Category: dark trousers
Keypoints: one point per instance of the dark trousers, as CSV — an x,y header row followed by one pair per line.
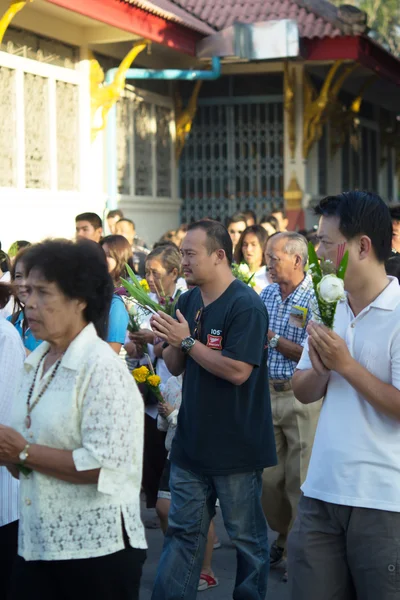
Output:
x,y
8,554
154,457
111,577
343,553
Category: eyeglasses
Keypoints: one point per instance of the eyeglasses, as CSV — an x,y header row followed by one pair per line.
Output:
x,y
197,324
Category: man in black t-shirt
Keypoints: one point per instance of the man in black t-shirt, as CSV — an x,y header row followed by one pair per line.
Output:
x,y
224,438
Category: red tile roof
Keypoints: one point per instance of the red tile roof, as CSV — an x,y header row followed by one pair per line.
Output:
x,y
315,18
172,12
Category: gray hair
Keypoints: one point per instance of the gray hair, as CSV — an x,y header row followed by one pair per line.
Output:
x,y
295,244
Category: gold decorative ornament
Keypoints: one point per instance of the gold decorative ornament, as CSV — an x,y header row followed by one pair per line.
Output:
x,y
317,104
104,96
15,7
293,195
184,118
290,106
346,121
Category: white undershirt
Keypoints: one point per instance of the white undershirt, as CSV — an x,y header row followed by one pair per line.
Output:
x,y
12,356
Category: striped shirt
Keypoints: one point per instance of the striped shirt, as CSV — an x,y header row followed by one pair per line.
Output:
x,y
288,318
12,356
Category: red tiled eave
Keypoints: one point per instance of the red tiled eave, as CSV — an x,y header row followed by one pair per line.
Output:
x,y
219,14
171,12
361,49
137,21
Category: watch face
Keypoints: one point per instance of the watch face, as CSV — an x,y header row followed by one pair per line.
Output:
x,y
274,342
187,344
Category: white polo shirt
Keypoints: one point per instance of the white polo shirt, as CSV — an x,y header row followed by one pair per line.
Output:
x,y
356,455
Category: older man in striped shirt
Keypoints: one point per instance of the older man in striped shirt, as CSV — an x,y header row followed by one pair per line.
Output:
x,y
288,301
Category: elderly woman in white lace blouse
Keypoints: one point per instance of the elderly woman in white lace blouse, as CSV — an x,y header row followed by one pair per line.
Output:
x,y
76,438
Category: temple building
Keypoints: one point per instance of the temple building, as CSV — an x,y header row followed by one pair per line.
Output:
x,y
173,110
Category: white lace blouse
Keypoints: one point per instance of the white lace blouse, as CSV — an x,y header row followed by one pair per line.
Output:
x,y
93,408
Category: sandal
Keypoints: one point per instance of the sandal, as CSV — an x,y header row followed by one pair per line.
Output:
x,y
207,582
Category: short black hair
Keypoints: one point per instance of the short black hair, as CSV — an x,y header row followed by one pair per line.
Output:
x,y
91,218
395,212
361,213
392,266
5,264
271,220
115,213
80,271
250,213
218,237
127,221
279,209
237,217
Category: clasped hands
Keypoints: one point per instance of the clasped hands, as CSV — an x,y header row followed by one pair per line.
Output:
x,y
327,350
170,330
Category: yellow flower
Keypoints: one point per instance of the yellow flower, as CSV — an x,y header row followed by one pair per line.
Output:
x,y
154,380
141,374
145,285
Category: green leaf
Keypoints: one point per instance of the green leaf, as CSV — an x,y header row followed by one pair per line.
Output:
x,y
133,277
343,266
24,470
141,297
313,260
174,303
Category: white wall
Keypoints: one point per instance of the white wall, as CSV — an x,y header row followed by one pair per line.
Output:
x,y
34,214
152,218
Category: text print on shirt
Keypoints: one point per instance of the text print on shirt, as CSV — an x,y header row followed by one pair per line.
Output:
x,y
214,339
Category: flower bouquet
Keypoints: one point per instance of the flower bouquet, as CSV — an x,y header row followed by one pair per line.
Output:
x,y
135,321
242,272
139,294
328,282
150,379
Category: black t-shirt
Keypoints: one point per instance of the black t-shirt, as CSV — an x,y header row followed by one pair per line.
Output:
x,y
223,428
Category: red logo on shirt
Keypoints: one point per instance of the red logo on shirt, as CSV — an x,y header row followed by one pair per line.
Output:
x,y
214,341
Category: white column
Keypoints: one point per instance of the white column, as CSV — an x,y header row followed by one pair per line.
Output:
x,y
92,162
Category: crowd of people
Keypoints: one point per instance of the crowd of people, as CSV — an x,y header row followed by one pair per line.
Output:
x,y
265,412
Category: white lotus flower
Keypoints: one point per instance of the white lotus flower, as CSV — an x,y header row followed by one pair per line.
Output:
x,y
331,289
243,269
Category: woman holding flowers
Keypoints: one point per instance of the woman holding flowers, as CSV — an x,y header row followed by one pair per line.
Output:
x,y
251,251
163,268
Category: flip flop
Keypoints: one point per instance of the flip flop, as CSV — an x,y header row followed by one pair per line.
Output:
x,y
207,582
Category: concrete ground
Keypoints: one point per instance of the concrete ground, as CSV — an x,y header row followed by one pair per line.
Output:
x,y
224,565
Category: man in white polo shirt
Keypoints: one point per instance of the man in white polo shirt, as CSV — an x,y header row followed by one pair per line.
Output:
x,y
345,543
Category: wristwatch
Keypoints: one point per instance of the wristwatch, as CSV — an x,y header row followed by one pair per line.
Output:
x,y
24,454
273,342
187,344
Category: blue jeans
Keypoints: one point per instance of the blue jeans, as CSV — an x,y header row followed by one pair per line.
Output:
x,y
192,508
